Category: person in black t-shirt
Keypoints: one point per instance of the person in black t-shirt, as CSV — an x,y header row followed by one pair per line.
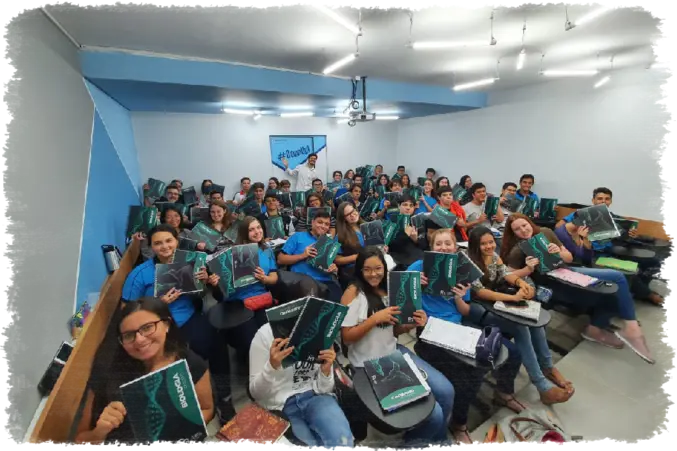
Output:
x,y
142,338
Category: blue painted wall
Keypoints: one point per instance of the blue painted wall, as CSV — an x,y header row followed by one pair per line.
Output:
x,y
109,195
118,123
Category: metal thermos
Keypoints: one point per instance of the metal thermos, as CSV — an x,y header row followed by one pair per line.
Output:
x,y
112,256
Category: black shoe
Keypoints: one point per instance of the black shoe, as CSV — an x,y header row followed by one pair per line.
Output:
x,y
225,411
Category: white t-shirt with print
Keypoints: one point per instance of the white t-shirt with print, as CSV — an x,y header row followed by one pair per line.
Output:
x,y
378,342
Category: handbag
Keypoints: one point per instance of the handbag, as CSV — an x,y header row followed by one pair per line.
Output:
x,y
532,425
488,346
258,302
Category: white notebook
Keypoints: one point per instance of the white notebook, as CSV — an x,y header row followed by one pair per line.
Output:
x,y
532,312
454,337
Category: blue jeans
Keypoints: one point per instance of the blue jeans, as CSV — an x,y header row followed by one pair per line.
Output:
x,y
530,342
434,428
625,304
317,420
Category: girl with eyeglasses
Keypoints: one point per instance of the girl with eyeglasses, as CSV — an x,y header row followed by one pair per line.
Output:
x,y
142,338
193,325
370,330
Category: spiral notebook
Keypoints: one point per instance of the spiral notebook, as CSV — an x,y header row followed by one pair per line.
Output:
x,y
454,337
175,275
572,277
531,312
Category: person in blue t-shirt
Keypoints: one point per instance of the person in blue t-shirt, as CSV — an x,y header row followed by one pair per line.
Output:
x,y
526,183
466,379
250,231
427,201
194,326
300,247
640,284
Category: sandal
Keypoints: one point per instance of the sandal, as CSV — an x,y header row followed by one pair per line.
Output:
x,y
461,435
511,403
554,376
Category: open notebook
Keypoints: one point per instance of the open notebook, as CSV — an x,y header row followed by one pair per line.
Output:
x,y
454,337
531,312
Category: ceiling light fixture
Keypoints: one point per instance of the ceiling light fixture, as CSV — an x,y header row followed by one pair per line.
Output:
x,y
339,19
523,54
343,121
242,112
569,73
257,116
474,84
386,118
601,82
298,114
436,45
568,25
340,63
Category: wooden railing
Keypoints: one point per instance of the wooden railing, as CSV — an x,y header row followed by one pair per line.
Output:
x,y
60,411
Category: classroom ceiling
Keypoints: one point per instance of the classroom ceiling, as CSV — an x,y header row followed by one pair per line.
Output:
x,y
301,38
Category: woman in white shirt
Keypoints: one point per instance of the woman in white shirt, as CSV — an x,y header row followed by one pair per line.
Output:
x,y
370,331
302,391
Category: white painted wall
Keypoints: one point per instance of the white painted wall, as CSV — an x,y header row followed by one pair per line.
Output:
x,y
194,147
572,137
45,129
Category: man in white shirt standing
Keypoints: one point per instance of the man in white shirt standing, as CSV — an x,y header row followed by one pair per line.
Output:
x,y
305,174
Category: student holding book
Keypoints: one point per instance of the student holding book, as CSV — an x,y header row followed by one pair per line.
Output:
x,y
350,174
378,170
404,247
300,247
194,326
259,191
348,233
370,330
215,196
531,341
272,210
427,201
221,219
245,185
355,195
526,183
474,209
465,183
466,380
445,198
508,190
383,180
205,188
303,392
142,338
251,232
313,200
395,187
640,286
519,227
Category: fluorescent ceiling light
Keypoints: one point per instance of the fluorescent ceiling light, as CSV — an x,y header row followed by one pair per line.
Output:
x,y
338,19
298,114
474,84
386,118
569,73
592,16
343,121
520,59
340,63
243,112
297,107
257,116
433,45
601,82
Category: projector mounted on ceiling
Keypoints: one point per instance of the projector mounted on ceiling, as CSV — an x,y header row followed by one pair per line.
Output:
x,y
356,115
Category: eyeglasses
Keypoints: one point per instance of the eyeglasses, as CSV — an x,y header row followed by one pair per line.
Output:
x,y
354,212
145,330
373,271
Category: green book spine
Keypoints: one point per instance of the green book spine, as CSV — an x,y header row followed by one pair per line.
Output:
x,y
389,231
403,221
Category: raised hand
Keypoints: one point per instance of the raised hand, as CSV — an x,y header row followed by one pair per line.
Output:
x,y
278,352
111,418
387,315
171,296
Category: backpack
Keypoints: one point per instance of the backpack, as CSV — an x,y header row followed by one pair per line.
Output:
x,y
530,425
488,346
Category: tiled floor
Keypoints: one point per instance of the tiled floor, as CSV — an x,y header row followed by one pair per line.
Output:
x,y
618,395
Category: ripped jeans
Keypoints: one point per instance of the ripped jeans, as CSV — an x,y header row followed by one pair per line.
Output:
x,y
317,420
